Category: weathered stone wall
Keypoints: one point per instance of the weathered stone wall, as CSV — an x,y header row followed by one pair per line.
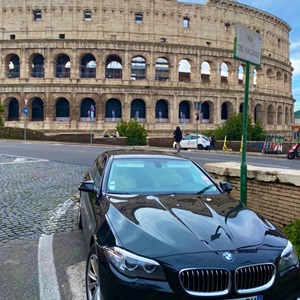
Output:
x,y
275,193
64,29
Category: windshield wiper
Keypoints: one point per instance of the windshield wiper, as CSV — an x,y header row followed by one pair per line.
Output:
x,y
206,189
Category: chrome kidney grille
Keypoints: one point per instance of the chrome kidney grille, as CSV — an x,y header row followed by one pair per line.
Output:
x,y
204,282
254,278
216,282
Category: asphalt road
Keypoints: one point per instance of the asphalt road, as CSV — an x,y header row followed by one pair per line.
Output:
x,y
41,249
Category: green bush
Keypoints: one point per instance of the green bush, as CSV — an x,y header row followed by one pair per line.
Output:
x,y
233,129
292,231
135,133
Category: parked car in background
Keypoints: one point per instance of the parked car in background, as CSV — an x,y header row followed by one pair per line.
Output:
x,y
190,141
157,226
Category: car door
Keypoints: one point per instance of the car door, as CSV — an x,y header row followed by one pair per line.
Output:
x,y
90,201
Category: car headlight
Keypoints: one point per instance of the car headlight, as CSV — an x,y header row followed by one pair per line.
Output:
x,y
288,257
132,265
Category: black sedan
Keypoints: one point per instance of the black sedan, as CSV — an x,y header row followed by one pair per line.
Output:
x,y
158,227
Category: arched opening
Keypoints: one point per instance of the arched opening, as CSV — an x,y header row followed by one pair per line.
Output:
x,y
113,110
161,111
14,67
184,71
63,66
85,109
258,114
270,115
113,67
205,112
224,73
138,110
184,112
62,110
138,68
205,72
37,110
38,66
162,69
88,66
13,110
279,115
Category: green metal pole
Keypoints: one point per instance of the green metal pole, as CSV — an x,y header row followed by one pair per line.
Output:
x,y
243,181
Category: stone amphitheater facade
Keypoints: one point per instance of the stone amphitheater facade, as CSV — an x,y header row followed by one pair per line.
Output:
x,y
69,65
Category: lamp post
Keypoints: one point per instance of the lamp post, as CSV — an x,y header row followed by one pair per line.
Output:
x,y
25,116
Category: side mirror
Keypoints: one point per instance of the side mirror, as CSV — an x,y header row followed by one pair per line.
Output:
x,y
87,186
225,186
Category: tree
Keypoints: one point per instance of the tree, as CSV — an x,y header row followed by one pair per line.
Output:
x,y
135,133
233,129
2,110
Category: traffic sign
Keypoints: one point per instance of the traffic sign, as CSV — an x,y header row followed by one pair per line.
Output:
x,y
92,108
25,110
247,44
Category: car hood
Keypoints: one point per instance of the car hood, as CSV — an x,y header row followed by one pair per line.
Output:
x,y
163,225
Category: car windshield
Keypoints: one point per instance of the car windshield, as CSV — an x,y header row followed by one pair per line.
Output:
x,y
158,176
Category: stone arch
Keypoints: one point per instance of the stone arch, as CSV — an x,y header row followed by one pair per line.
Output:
x,y
226,111
270,115
13,110
62,66
184,111
258,113
138,68
269,78
224,73
207,109
138,110
37,109
12,66
62,109
286,116
162,111
85,108
279,115
162,69
113,67
113,110
37,66
88,66
205,70
241,74
184,70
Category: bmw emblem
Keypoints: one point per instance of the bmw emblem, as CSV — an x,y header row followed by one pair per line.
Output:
x,y
228,256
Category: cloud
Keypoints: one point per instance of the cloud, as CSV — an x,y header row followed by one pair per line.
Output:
x,y
296,66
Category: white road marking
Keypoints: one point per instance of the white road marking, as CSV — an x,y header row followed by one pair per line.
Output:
x,y
47,274
49,289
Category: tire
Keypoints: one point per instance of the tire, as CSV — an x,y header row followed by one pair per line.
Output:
x,y
79,217
92,276
291,155
200,147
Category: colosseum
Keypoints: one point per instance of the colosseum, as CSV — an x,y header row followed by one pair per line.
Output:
x,y
68,65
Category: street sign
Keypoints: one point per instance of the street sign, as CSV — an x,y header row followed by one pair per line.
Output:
x,y
25,110
247,44
25,101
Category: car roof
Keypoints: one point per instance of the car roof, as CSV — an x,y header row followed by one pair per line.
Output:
x,y
136,152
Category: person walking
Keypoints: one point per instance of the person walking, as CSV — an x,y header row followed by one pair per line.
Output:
x,y
177,138
212,142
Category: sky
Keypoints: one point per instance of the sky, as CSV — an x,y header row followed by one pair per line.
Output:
x,y
288,11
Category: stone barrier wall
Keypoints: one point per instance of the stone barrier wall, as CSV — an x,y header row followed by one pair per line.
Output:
x,y
275,193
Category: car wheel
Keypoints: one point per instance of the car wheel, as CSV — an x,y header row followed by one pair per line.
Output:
x,y
92,276
200,147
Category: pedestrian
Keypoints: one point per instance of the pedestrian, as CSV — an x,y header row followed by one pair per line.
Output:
x,y
177,134
212,142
